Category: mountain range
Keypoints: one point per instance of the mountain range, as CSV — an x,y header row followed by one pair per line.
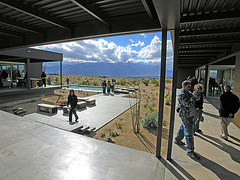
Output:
x,y
110,69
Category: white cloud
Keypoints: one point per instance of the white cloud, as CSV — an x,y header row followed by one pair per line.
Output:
x,y
144,35
131,40
139,43
102,50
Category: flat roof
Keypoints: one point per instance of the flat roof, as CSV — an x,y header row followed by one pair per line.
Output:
x,y
35,55
208,30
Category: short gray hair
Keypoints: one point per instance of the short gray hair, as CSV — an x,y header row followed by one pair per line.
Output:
x,y
228,87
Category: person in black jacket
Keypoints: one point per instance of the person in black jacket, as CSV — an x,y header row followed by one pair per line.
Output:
x,y
199,106
43,76
228,107
72,100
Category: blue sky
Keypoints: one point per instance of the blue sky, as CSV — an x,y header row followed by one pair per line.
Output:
x,y
136,48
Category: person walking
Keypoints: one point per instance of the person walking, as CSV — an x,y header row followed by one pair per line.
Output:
x,y
228,107
72,100
198,89
187,112
108,86
67,81
56,80
113,84
43,76
104,85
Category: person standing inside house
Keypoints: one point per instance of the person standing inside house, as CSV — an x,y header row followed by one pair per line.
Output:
x,y
43,76
187,112
108,86
198,89
72,100
104,85
228,107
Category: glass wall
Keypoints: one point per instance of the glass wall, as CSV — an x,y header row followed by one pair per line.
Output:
x,y
14,71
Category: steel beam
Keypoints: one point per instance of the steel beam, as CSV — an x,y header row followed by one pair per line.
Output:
x,y
91,10
19,6
11,33
19,25
161,92
28,73
209,41
210,32
210,17
148,7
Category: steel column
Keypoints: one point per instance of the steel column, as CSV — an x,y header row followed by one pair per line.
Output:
x,y
174,89
161,92
206,83
61,72
28,73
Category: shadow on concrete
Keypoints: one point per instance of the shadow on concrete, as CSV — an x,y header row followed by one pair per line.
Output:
x,y
233,152
215,102
236,139
210,114
180,168
171,169
217,169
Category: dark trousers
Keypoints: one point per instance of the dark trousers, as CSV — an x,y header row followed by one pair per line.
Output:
x,y
108,90
104,89
44,82
72,111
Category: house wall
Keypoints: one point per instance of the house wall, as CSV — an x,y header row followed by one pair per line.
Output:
x,y
236,89
36,70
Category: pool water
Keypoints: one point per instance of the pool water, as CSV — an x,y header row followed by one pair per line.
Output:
x,y
86,88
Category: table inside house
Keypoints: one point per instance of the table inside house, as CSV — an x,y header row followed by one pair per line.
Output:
x,y
36,82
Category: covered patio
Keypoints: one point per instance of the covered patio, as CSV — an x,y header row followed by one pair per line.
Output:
x,y
203,32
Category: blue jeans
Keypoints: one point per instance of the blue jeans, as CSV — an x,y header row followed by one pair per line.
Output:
x,y
197,119
186,129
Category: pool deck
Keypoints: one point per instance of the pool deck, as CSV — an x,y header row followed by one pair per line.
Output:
x,y
108,107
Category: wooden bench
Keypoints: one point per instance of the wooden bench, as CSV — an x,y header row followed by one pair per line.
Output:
x,y
81,105
91,102
47,108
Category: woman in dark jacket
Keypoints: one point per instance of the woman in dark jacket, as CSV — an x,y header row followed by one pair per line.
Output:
x,y
199,106
72,100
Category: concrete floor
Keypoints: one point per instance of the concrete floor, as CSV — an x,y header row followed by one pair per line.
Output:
x,y
107,108
220,159
31,150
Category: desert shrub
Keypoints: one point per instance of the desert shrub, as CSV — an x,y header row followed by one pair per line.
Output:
x,y
146,82
145,105
122,82
150,120
144,90
153,104
112,134
168,81
87,82
134,81
95,83
102,135
168,100
151,109
155,82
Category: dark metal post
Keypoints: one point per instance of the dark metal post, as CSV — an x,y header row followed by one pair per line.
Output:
x,y
174,89
206,80
161,92
61,72
28,73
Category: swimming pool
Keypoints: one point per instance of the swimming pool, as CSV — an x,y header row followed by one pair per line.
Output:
x,y
86,88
